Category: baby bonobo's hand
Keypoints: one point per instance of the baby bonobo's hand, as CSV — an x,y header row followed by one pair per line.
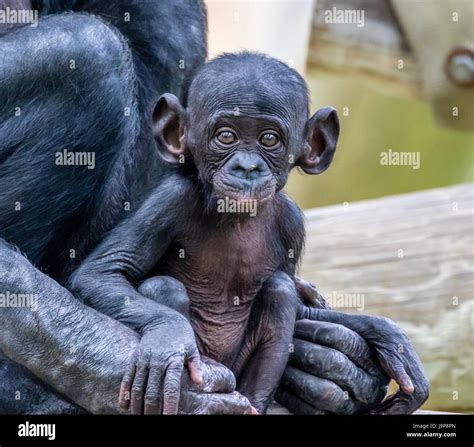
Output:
x,y
152,381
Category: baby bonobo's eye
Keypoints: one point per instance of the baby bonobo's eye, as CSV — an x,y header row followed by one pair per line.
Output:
x,y
226,136
269,139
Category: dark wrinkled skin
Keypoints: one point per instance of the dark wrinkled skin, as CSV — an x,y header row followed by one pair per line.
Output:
x,y
392,349
69,357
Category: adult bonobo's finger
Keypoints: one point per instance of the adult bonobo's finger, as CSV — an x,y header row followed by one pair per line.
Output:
x,y
216,378
399,403
154,391
172,386
309,294
400,361
327,394
341,339
396,371
214,403
327,363
294,403
138,389
126,385
404,367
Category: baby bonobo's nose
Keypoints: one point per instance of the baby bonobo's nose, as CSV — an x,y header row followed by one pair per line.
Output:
x,y
247,166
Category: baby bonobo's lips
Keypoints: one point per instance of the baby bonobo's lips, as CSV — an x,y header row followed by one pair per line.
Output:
x,y
244,191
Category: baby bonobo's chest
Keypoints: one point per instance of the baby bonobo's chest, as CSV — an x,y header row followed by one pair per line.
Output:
x,y
223,268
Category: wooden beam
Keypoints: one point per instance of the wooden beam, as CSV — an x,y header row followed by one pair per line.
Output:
x,y
410,258
372,51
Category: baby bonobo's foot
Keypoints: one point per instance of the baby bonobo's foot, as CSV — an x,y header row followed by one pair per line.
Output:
x,y
213,392
215,395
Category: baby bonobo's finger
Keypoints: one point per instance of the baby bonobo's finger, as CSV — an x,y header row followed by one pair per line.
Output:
x,y
341,339
172,386
195,369
138,389
126,385
153,395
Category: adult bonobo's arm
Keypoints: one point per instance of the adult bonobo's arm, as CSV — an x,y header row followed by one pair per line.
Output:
x,y
78,351
167,39
392,348
83,353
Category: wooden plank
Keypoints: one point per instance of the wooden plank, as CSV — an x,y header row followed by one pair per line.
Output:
x,y
410,258
276,408
392,248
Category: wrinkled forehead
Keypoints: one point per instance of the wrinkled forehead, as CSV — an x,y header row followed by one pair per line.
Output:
x,y
216,94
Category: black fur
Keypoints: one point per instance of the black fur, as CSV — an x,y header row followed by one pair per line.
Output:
x,y
118,65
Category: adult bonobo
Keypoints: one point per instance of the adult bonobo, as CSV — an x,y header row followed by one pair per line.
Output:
x,y
88,83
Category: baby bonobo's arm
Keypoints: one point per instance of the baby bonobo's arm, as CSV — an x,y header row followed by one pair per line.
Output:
x,y
105,281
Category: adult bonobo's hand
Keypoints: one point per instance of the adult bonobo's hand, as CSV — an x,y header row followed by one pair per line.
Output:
x,y
386,340
151,383
331,370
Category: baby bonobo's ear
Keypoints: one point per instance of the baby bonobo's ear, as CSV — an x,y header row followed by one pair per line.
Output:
x,y
323,132
168,128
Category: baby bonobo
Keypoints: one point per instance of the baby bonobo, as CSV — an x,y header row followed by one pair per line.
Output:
x,y
221,226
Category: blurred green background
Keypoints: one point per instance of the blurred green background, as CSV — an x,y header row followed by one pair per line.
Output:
x,y
376,123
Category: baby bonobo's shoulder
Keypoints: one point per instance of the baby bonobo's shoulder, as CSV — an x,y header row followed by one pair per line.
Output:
x,y
289,215
173,191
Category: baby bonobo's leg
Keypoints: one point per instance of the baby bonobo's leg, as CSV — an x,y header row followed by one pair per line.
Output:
x,y
167,291
268,340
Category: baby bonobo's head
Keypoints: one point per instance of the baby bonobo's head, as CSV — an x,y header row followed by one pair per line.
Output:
x,y
245,126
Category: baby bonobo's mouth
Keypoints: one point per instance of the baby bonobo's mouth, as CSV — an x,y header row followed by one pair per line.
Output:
x,y
244,192
245,178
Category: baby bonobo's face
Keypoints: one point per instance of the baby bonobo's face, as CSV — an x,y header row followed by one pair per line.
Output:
x,y
246,126
245,156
